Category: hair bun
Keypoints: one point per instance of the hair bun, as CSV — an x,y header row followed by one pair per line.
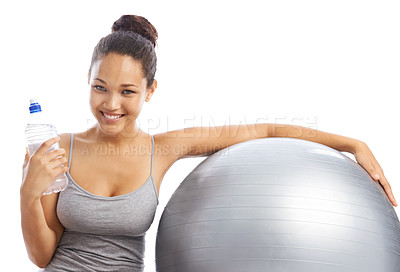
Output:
x,y
137,24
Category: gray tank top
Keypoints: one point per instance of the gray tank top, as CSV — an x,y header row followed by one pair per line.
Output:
x,y
103,233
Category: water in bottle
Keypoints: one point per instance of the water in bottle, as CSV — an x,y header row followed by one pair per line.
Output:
x,y
37,131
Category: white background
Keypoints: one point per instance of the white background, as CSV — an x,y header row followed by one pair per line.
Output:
x,y
329,65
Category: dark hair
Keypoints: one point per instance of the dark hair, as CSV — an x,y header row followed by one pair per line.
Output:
x,y
133,36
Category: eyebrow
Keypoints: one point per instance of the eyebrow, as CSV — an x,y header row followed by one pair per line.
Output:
x,y
122,85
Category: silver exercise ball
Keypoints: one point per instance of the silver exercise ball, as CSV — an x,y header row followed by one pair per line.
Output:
x,y
279,205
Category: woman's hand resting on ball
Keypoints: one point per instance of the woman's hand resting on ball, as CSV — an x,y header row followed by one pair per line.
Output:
x,y
366,159
39,171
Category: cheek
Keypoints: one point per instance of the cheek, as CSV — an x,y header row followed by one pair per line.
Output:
x,y
94,100
94,103
136,105
135,108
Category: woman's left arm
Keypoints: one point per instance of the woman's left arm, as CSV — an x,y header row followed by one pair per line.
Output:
x,y
203,141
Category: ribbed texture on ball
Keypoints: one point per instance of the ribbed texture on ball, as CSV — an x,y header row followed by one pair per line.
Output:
x,y
278,204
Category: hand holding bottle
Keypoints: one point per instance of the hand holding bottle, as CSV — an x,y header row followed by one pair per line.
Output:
x,y
42,168
38,130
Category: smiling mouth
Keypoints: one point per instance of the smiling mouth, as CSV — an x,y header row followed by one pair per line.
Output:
x,y
112,117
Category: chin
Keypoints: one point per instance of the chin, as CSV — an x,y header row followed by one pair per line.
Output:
x,y
109,132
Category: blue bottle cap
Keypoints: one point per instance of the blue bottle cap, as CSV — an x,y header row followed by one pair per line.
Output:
x,y
35,106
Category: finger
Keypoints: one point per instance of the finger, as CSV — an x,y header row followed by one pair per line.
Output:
x,y
369,167
55,153
57,162
26,156
375,172
388,189
60,170
44,147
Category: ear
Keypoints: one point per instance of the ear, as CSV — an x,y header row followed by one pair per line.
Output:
x,y
88,77
150,91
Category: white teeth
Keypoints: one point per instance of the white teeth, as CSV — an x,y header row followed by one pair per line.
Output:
x,y
112,116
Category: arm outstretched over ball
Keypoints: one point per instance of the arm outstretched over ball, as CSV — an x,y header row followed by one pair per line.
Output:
x,y
204,141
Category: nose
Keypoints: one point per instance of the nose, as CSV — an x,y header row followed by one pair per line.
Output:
x,y
112,102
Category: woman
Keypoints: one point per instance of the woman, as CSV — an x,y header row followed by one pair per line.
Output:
x,y
99,221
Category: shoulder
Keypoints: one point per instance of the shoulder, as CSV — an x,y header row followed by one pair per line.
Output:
x,y
166,150
164,144
65,139
189,142
65,142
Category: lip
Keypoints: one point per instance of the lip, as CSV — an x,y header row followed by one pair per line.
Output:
x,y
110,120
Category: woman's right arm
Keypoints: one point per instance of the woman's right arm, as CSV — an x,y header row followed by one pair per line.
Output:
x,y
41,228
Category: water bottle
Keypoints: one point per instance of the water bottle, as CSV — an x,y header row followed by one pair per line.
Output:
x,y
37,131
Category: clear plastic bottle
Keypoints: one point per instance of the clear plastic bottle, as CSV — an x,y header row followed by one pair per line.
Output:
x,y
37,131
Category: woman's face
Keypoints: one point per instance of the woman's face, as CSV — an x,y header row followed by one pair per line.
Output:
x,y
117,93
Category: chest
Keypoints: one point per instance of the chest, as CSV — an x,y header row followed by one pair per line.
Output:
x,y
109,171
130,214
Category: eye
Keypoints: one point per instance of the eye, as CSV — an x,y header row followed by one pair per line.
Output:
x,y
98,87
101,88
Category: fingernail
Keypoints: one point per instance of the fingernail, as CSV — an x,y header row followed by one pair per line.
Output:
x,y
376,176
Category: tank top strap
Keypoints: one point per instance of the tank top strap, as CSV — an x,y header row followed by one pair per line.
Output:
x,y
72,145
70,150
152,155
